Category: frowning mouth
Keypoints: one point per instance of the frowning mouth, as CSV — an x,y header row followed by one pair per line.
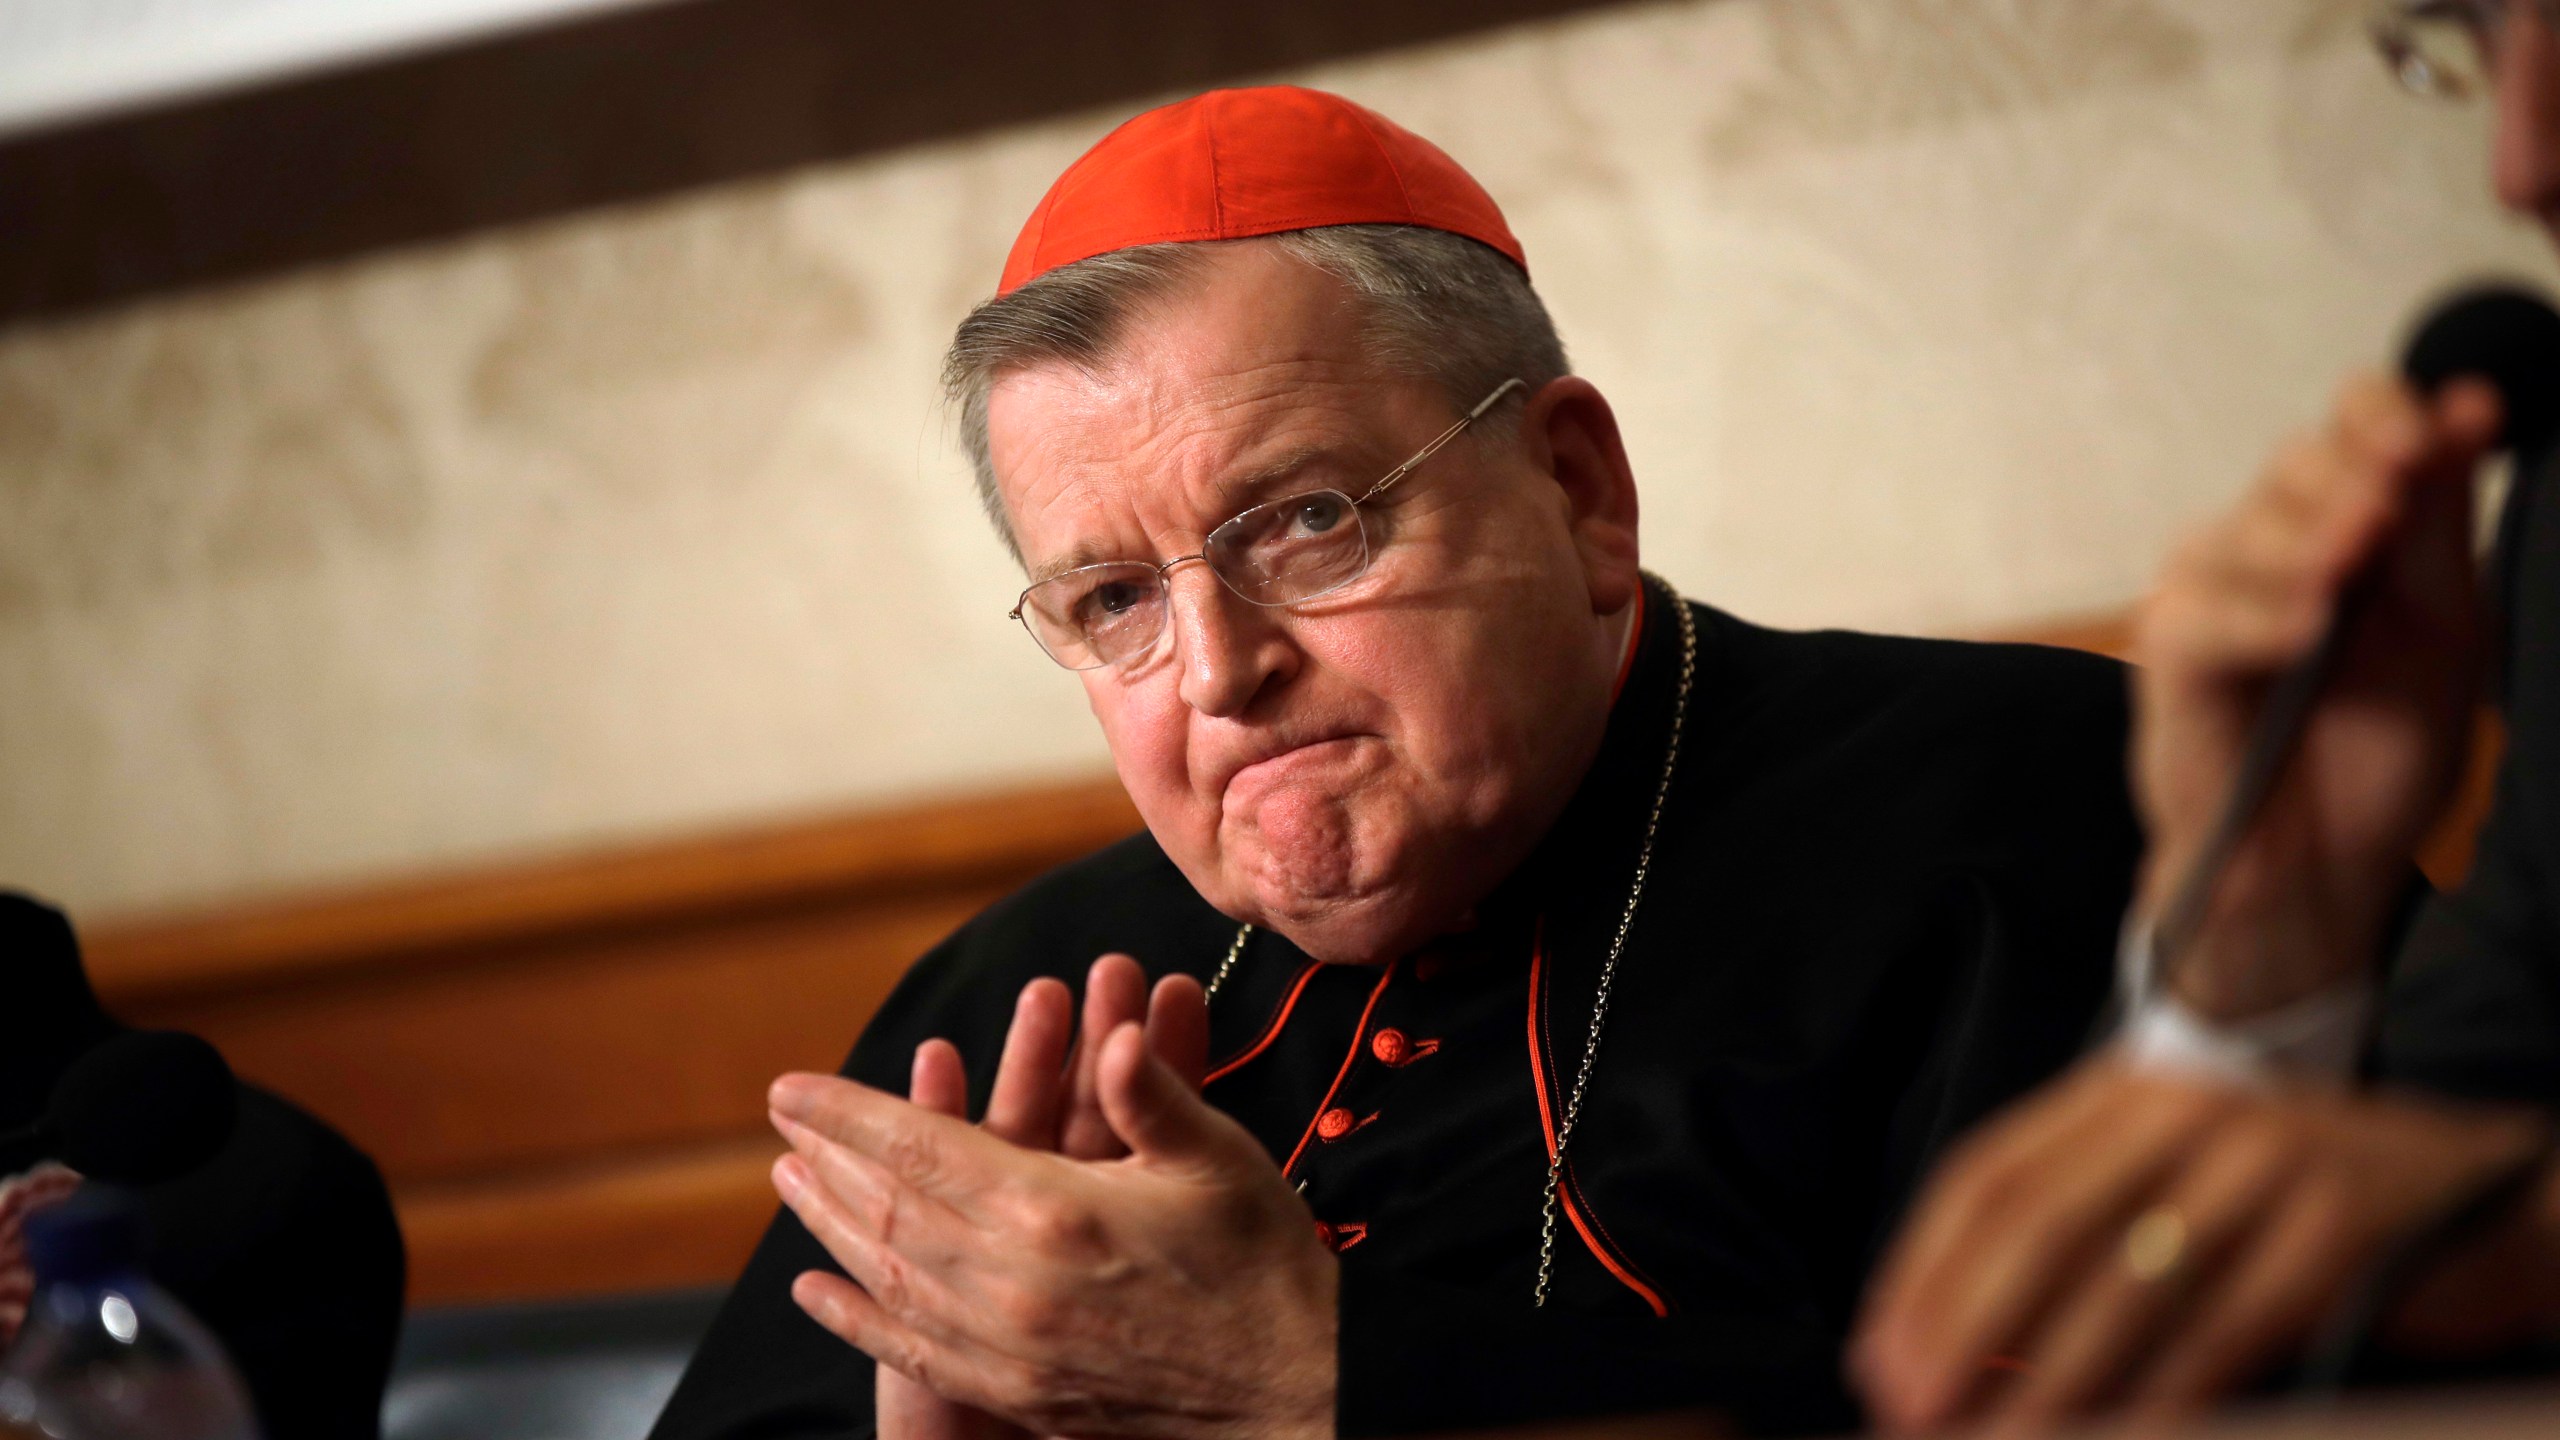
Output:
x,y
1276,764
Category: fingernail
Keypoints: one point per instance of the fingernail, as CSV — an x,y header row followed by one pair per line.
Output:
x,y
792,1095
790,1178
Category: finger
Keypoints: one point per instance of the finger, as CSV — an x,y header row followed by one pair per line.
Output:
x,y
2029,1225
1115,992
2278,1289
2470,417
1162,1119
919,1228
1178,1027
1961,1194
940,1156
1030,1085
2381,421
903,1289
954,1370
2216,618
2309,527
2106,1330
936,1081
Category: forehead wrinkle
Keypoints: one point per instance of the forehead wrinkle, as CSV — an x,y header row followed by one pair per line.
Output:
x,y
1197,456
1236,492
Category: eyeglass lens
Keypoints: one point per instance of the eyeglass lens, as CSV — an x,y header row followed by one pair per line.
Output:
x,y
2445,49
1273,554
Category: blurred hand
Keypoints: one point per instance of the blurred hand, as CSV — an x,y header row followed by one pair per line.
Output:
x,y
1039,1103
2136,1240
2382,492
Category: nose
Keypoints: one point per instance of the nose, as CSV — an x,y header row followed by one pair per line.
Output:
x,y
2526,148
1230,649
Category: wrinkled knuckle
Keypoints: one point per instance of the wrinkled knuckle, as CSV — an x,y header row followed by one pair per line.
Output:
x,y
1058,1228
892,1289
912,1156
1032,1313
1043,1395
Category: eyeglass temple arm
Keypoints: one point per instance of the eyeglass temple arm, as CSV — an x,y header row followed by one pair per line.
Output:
x,y
1443,438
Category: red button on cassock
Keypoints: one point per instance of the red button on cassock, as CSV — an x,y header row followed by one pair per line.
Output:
x,y
1389,1045
1334,1123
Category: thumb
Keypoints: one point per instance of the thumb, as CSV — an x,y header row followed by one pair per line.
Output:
x,y
1161,1119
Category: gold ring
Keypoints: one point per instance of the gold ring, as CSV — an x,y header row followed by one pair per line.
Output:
x,y
2155,1242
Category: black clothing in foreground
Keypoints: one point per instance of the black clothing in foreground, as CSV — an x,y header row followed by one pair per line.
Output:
x,y
1884,901
284,1243
2474,1003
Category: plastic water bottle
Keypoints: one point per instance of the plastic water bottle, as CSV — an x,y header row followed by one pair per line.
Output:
x,y
105,1354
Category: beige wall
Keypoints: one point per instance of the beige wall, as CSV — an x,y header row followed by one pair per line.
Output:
x,y
1920,314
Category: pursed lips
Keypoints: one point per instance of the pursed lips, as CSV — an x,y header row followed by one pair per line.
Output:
x,y
1264,754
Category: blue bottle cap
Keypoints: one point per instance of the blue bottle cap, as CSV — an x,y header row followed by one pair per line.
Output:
x,y
94,1235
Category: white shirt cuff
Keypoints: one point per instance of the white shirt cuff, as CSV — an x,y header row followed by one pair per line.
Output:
x,y
2321,1036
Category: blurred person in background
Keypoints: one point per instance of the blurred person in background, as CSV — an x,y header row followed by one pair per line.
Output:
x,y
1535,993
283,1242
2192,1207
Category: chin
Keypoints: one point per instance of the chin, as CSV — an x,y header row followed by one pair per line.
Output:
x,y
1355,903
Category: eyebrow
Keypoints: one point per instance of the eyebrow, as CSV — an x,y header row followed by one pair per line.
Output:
x,y
1233,494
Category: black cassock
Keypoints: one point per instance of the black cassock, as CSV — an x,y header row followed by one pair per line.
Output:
x,y
1884,901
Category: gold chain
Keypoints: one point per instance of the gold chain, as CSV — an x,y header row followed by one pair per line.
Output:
x,y
1210,992
1608,968
1617,947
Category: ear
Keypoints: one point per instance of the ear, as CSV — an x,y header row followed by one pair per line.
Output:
x,y
1572,435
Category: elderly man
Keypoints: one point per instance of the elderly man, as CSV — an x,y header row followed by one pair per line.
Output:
x,y
1558,985
2198,1207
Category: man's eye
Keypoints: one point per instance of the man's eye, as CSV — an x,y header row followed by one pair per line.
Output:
x,y
1110,600
1316,515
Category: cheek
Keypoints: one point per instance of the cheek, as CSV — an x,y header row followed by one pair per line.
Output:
x,y
1424,687
1149,738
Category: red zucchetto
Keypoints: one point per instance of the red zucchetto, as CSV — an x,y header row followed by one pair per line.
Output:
x,y
1235,163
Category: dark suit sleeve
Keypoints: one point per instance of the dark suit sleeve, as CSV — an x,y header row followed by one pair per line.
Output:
x,y
2473,1009
2474,1003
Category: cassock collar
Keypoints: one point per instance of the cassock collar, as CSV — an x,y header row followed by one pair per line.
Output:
x,y
1587,858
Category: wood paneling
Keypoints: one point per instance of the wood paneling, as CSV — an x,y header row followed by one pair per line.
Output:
x,y
560,1064
642,1223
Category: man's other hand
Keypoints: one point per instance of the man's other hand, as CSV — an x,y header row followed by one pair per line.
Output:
x,y
2132,1240
2382,492
1039,1102
1179,1291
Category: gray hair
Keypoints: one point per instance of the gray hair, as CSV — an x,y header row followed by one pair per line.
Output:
x,y
1441,307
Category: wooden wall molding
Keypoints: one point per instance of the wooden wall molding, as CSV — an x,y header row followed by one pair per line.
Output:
x,y
156,960
560,1065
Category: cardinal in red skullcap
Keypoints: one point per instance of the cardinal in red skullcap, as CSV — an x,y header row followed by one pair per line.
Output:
x,y
1534,991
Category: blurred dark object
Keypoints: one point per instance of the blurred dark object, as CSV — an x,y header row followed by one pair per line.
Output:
x,y
283,1242
612,108
143,1106
573,1370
